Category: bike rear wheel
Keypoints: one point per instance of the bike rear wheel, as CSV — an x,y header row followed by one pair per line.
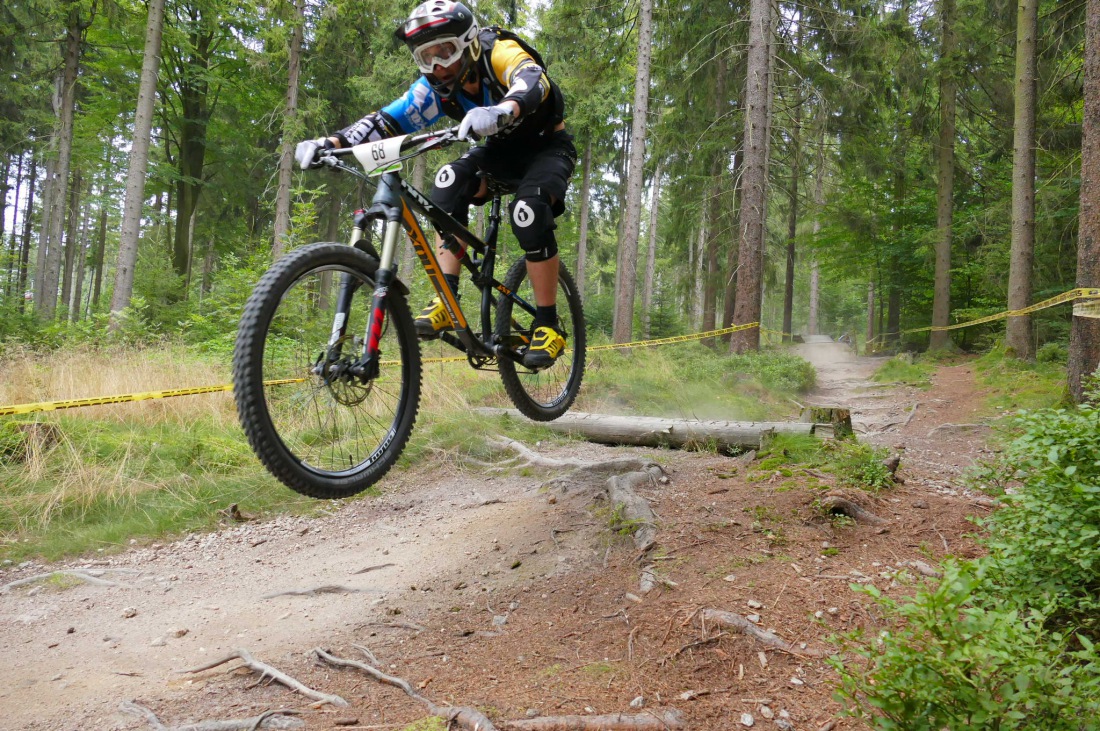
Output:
x,y
547,394
319,429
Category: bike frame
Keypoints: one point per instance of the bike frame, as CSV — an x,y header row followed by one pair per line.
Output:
x,y
395,203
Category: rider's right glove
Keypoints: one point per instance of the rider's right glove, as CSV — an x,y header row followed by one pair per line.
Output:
x,y
485,121
306,152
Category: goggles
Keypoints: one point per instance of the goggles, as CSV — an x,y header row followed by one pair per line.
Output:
x,y
438,52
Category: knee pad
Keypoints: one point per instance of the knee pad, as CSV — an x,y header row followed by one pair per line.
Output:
x,y
533,224
454,185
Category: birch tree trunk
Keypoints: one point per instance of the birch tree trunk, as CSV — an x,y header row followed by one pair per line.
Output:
x,y
651,251
582,238
1018,337
1084,337
290,130
628,246
945,179
139,164
750,261
13,244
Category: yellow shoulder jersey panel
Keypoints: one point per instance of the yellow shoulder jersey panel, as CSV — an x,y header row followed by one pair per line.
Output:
x,y
508,58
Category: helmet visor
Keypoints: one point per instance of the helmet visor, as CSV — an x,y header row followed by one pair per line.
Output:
x,y
437,52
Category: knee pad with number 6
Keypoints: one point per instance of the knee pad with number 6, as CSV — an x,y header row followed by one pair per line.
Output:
x,y
533,224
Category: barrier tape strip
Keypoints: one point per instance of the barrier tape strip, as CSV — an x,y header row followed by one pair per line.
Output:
x,y
1085,293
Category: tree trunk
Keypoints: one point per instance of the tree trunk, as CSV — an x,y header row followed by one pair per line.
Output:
x,y
13,247
139,163
699,300
582,238
194,99
713,208
72,244
80,265
819,205
792,213
750,261
290,134
945,162
100,252
1018,335
870,314
49,188
627,274
651,251
28,228
1084,338
729,298
74,43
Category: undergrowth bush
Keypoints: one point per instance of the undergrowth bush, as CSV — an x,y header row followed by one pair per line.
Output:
x,y
1006,641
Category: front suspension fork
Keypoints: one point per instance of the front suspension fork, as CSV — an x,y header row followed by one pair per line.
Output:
x,y
367,368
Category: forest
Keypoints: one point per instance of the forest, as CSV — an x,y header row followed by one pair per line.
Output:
x,y
913,164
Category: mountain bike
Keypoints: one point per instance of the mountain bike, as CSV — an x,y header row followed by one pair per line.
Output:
x,y
327,364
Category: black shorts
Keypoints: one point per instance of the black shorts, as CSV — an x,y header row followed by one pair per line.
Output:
x,y
540,171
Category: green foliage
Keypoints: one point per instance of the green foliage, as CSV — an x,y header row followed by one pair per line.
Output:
x,y
858,464
903,369
1006,641
1017,384
945,662
1045,542
690,380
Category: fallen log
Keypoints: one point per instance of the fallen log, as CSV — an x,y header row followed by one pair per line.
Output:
x,y
655,432
655,721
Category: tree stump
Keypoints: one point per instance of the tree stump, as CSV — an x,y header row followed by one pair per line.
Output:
x,y
839,417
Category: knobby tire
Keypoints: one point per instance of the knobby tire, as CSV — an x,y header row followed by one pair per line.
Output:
x,y
544,395
324,437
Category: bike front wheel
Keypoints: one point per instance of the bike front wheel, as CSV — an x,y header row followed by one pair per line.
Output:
x,y
546,394
319,428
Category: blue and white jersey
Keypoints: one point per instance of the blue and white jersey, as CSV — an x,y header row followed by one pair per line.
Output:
x,y
421,106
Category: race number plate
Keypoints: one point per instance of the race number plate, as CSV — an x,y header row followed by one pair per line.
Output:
x,y
378,157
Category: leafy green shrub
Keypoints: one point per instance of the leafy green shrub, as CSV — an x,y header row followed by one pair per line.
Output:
x,y
858,465
947,662
1045,541
1052,353
1006,642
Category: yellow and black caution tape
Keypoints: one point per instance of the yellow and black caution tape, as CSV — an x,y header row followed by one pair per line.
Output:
x,y
1089,308
100,401
1081,293
675,339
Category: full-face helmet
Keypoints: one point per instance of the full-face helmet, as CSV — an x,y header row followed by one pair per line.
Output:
x,y
439,33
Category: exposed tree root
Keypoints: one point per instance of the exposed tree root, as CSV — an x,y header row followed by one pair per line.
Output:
x,y
267,671
635,509
468,718
837,504
325,589
84,575
922,568
531,458
736,621
654,721
267,719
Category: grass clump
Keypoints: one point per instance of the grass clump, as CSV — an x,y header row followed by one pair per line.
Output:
x,y
1006,641
1017,384
853,463
903,369
691,381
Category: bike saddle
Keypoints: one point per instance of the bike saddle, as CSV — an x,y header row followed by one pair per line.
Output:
x,y
498,185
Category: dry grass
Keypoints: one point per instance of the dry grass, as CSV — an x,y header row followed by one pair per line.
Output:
x,y
88,372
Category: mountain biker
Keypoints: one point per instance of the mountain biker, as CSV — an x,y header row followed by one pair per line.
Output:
x,y
483,77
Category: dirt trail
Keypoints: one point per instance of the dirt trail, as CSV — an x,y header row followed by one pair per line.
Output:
x,y
505,595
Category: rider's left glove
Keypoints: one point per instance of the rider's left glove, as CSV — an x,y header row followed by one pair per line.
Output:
x,y
485,121
306,152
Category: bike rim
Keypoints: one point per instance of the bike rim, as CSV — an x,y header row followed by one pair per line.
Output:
x,y
332,425
548,387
